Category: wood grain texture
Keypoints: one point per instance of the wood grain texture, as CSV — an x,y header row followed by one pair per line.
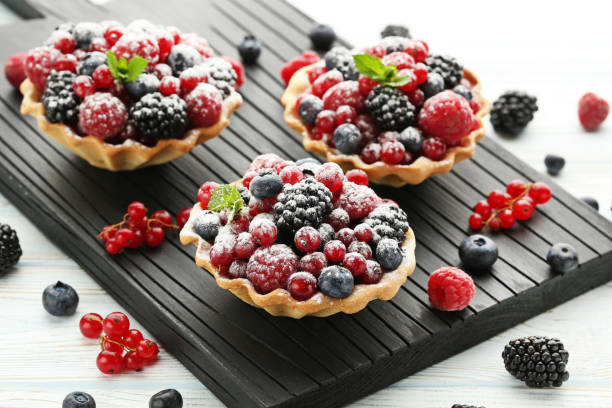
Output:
x,y
441,229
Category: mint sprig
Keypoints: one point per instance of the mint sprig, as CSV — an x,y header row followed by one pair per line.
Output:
x,y
226,197
373,68
123,70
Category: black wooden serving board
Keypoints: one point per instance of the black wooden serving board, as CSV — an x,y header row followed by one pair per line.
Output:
x,y
246,357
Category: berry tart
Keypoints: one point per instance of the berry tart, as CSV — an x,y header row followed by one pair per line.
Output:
x,y
394,110
301,238
126,97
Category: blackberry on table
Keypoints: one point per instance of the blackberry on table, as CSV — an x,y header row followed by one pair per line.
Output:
x,y
395,30
158,116
387,221
512,111
536,360
10,250
221,75
306,203
60,102
448,67
340,58
390,108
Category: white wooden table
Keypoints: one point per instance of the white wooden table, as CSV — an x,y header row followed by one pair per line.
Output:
x,y
554,51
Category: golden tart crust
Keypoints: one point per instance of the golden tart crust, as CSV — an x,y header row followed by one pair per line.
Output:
x,y
379,172
129,155
280,303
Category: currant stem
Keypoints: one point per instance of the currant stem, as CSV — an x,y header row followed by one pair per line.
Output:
x,y
117,225
163,224
509,205
105,339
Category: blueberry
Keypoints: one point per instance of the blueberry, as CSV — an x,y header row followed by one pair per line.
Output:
x,y
388,253
182,57
592,202
308,166
166,399
554,164
90,62
411,138
562,258
206,225
245,194
144,84
85,32
395,30
60,299
327,234
322,36
340,58
463,91
249,49
336,281
478,253
433,85
266,185
309,108
79,399
346,138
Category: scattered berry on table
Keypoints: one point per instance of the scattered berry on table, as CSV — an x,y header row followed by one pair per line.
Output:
x,y
478,253
540,192
14,69
133,338
170,398
448,116
589,200
270,267
512,111
592,111
395,30
390,108
554,164
78,399
60,299
562,258
538,361
159,116
450,289
204,105
110,362
336,281
147,349
116,325
249,49
447,67
91,325
10,249
340,58
302,285
322,37
308,109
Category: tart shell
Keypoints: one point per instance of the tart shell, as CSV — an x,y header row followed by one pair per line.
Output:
x,y
280,303
379,172
129,155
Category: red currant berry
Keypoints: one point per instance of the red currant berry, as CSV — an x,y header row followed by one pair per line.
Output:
x,y
146,349
108,232
162,219
110,363
346,236
495,224
483,208
523,209
366,85
133,361
475,221
64,43
358,177
354,262
102,77
137,224
363,232
222,252
132,338
318,134
371,153
245,245
138,239
67,62
360,247
507,219
83,86
137,210
392,152
316,72
307,239
339,219
331,176
345,114
116,325
434,148
154,356
334,250
497,199
291,174
125,237
169,85
264,232
154,236
326,81
540,192
190,78
301,285
111,346
313,263
205,192
112,246
373,273
474,105
183,216
113,33
515,188
91,325
416,97
421,71
326,121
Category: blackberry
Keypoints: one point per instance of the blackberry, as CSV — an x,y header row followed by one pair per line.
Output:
x,y
10,250
395,30
306,203
220,74
340,58
158,116
512,111
387,221
390,108
536,360
448,67
60,102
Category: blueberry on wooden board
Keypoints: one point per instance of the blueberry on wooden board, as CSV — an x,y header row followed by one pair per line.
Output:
x,y
322,37
79,399
478,253
60,299
592,202
562,258
166,399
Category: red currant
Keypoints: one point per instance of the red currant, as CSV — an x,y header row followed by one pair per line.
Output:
x,y
302,285
475,221
65,44
361,248
67,62
345,114
137,240
497,199
132,338
112,246
363,232
507,219
483,208
99,44
523,209
133,361
183,216
331,176
326,121
137,224
190,78
346,236
245,245
102,77
421,71
264,232
205,192
474,105
83,86
307,239
112,346
125,237
354,262
113,33
334,250
91,325
146,349
154,236
316,72
108,232
515,188
434,148
371,153
358,177
110,363
540,192
495,224
291,174
417,97
169,85
392,152
137,210
116,325
162,219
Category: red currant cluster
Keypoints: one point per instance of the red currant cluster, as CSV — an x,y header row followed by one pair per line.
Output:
x,y
122,348
502,209
136,228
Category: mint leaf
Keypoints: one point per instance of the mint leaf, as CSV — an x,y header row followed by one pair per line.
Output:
x,y
123,70
123,64
226,197
373,68
135,67
112,63
400,80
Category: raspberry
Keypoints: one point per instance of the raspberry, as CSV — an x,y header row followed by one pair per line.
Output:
x,y
205,192
446,115
401,60
302,285
245,245
291,174
307,239
434,148
63,41
417,49
315,72
290,67
355,262
392,152
360,248
326,81
331,176
358,177
592,111
264,162
338,219
334,250
38,65
371,153
102,115
363,232
450,289
264,232
204,105
270,267
358,201
169,85
344,93
313,263
139,44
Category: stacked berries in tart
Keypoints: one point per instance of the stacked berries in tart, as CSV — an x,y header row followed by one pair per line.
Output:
x,y
301,238
395,110
110,87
